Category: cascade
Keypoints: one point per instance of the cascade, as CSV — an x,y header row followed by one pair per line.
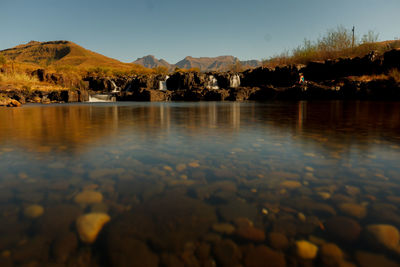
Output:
x,y
163,84
212,83
115,88
234,81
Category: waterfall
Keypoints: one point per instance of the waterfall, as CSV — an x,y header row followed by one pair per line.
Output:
x,y
115,88
234,81
212,83
102,98
163,84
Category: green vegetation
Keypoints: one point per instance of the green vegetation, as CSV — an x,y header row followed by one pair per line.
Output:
x,y
335,43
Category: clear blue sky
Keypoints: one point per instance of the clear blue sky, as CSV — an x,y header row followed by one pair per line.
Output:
x,y
173,29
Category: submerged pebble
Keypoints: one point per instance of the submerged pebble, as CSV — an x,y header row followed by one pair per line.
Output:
x,y
290,184
223,228
383,235
33,211
89,226
88,197
306,250
354,210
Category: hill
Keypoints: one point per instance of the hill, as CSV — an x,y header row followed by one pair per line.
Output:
x,y
151,62
60,53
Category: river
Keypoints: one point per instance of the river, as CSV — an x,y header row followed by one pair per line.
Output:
x,y
200,184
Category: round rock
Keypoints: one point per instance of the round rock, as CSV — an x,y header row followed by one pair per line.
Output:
x,y
331,254
33,211
278,241
343,229
89,226
306,250
354,210
223,228
383,235
88,197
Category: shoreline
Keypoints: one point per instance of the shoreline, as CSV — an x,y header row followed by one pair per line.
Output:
x,y
371,77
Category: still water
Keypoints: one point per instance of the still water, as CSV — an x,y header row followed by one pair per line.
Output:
x,y
200,184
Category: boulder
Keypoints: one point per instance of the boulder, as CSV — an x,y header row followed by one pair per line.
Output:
x,y
392,59
13,103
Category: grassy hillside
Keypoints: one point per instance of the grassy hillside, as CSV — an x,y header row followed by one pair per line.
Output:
x,y
65,55
60,57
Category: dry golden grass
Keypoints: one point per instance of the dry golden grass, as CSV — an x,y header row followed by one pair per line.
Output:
x,y
24,81
336,43
395,75
69,59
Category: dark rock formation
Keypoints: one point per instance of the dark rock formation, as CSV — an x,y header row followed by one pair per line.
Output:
x,y
186,80
392,59
280,77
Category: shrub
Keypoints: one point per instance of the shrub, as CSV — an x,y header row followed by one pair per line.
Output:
x,y
335,43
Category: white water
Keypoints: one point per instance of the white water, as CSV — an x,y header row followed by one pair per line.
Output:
x,y
212,83
101,98
234,81
163,84
116,89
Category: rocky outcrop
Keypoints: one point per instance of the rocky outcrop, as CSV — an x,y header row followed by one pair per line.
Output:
x,y
339,68
323,80
45,97
105,84
59,79
392,59
279,77
186,80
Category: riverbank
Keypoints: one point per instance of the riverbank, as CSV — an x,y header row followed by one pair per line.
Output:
x,y
372,77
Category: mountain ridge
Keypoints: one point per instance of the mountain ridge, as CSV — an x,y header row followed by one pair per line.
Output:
x,y
202,63
67,53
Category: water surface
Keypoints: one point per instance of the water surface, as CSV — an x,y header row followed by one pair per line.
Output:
x,y
200,184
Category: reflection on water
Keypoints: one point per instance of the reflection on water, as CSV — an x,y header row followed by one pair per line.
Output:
x,y
200,184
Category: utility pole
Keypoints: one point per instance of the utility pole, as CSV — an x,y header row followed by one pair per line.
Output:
x,y
352,40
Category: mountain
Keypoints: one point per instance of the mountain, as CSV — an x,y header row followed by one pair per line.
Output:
x,y
251,63
151,62
66,53
202,63
57,53
214,63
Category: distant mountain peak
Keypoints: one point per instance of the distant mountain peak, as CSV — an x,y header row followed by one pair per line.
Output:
x,y
150,61
220,63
